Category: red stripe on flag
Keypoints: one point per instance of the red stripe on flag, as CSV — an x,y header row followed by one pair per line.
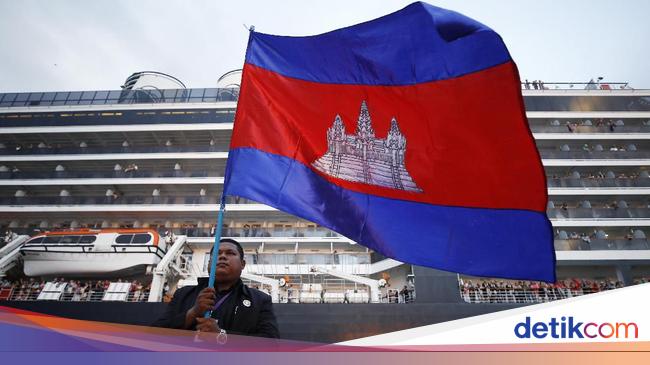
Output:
x,y
468,141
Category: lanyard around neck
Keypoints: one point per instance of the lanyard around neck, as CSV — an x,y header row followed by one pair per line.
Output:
x,y
220,302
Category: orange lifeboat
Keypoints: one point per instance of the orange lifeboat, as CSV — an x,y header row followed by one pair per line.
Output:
x,y
88,252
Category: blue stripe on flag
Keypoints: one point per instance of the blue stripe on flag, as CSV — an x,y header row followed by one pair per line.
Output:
x,y
504,243
438,44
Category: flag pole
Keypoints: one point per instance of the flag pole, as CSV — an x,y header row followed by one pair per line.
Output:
x,y
215,250
217,232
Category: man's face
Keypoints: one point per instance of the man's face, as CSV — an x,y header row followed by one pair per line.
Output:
x,y
229,263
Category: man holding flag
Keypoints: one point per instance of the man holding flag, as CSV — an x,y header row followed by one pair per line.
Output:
x,y
406,134
233,307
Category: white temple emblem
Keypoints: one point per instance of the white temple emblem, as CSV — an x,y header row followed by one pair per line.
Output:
x,y
364,158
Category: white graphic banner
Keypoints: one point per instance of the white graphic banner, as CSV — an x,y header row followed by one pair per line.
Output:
x,y
621,315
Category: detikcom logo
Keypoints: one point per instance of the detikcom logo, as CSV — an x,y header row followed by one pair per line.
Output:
x,y
568,327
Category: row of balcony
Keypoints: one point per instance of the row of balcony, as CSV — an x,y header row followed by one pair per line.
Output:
x,y
598,213
632,181
240,232
627,182
545,153
109,200
586,155
617,210
601,244
563,242
307,259
589,129
104,175
552,182
585,150
109,149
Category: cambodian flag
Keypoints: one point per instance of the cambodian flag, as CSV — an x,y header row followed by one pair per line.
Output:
x,y
406,134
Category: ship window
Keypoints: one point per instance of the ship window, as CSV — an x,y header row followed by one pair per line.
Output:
x,y
61,96
36,240
169,94
35,96
8,99
69,240
124,238
100,97
88,95
210,94
52,239
87,239
74,96
141,238
114,95
48,96
181,95
196,93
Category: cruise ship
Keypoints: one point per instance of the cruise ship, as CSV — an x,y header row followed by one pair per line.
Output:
x,y
111,198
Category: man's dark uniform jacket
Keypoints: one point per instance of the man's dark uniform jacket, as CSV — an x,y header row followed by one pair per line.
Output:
x,y
256,319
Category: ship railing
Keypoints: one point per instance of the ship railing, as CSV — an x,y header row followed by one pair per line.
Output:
x,y
119,248
596,182
608,152
142,296
90,248
282,259
271,232
56,247
627,181
528,295
109,200
589,129
206,232
22,150
107,175
398,296
304,269
576,152
486,290
636,181
197,114
601,244
89,295
592,85
521,296
346,259
604,155
102,97
598,213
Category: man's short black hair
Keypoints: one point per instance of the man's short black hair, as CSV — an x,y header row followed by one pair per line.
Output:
x,y
230,240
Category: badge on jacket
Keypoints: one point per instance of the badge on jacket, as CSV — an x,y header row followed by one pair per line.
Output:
x,y
246,303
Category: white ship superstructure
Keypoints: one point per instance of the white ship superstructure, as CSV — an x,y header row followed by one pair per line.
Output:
x,y
151,157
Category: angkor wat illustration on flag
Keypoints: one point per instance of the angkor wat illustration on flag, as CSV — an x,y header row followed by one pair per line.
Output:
x,y
364,158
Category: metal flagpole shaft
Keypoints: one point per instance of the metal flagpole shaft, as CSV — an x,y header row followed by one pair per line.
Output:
x,y
215,250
